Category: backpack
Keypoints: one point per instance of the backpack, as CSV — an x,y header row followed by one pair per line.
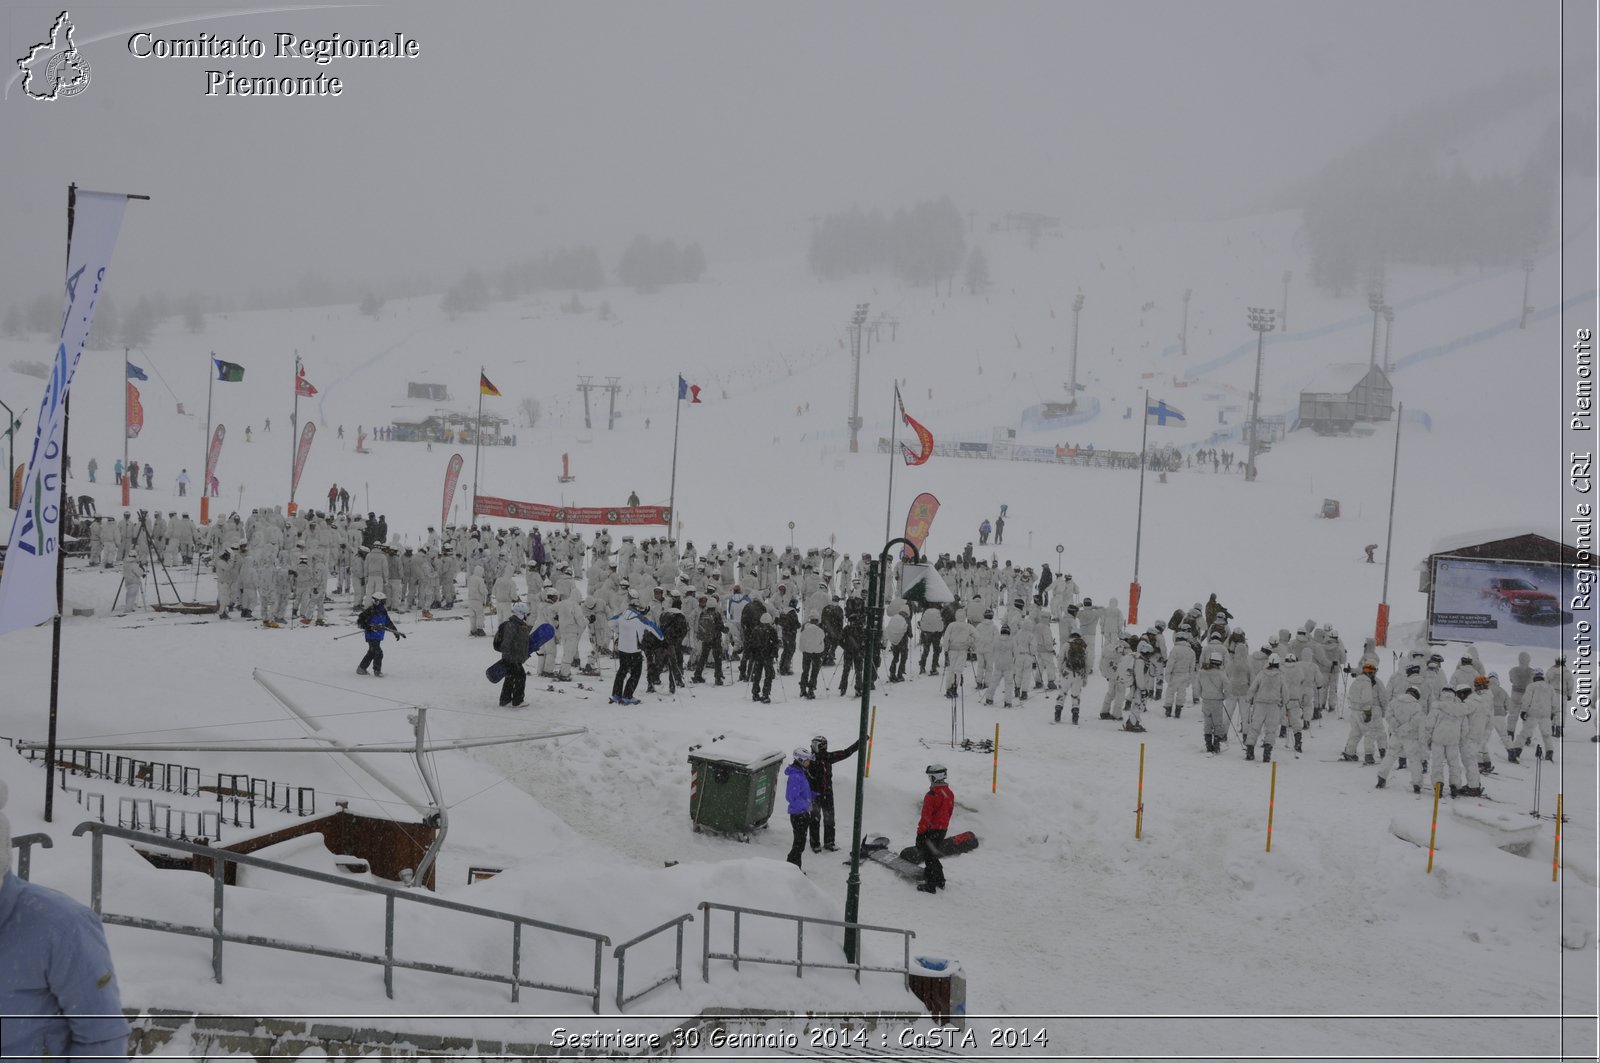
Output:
x,y
499,636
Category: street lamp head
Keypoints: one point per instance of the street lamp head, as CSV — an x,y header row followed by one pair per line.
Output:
x,y
1388,314
1375,300
1261,319
1077,304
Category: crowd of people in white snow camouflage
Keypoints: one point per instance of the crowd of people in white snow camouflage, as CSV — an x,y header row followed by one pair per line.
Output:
x,y
668,616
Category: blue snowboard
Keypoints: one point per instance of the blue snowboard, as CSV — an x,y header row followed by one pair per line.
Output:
x,y
540,635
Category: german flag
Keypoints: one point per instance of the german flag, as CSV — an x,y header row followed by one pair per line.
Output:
x,y
484,387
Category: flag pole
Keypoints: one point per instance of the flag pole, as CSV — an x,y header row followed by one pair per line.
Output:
x,y
127,416
205,485
477,444
1138,534
61,556
294,428
894,423
672,487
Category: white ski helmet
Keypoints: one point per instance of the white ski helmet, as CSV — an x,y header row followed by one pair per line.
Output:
x,y
936,773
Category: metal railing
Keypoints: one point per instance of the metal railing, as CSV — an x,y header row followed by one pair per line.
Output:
x,y
620,952
220,858
24,844
799,963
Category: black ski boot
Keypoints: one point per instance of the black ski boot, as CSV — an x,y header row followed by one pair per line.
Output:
x,y
1177,713
1513,754
1058,713
1283,731
1455,791
1349,758
1074,714
1382,782
1550,754
1416,788
1485,767
1297,748
1169,712
1211,743
1402,763
1266,753
1249,752
1368,759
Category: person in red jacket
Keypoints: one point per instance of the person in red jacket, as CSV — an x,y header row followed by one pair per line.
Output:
x,y
936,808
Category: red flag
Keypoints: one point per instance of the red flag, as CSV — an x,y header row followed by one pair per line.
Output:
x,y
135,412
918,520
300,454
924,437
213,452
302,386
452,472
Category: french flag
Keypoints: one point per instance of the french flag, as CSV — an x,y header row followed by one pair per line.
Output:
x,y
688,391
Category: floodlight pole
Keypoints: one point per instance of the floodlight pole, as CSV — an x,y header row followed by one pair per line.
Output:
x,y
1183,336
857,320
1072,366
1375,301
1382,633
1388,334
877,577
1283,318
1261,322
1527,278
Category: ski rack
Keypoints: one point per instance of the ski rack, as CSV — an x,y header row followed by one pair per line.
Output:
x,y
243,789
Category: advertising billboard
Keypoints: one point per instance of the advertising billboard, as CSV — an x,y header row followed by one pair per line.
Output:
x,y
1514,603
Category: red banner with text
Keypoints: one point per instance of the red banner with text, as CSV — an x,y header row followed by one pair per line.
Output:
x,y
452,473
300,455
489,506
919,519
213,452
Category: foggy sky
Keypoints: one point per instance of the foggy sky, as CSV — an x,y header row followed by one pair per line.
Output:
x,y
523,125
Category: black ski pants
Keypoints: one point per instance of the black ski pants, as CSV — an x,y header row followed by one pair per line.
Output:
x,y
786,659
761,677
898,653
852,660
628,670
514,689
374,657
709,651
929,842
822,821
931,640
810,668
800,823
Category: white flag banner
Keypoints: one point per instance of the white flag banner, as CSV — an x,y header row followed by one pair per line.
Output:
x,y
28,588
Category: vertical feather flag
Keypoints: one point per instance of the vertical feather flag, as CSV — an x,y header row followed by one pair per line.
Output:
x,y
924,437
135,415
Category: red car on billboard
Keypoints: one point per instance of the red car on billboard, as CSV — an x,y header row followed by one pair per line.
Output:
x,y
1523,600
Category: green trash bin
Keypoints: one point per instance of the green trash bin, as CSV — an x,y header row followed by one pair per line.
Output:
x,y
732,789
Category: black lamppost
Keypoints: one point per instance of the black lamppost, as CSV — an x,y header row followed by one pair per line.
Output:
x,y
857,321
1183,337
877,577
1072,371
1283,318
1261,322
1375,302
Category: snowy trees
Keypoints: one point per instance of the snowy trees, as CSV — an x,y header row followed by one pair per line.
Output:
x,y
531,410
922,245
140,324
371,303
647,263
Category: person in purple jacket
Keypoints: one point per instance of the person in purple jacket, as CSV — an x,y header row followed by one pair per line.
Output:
x,y
800,798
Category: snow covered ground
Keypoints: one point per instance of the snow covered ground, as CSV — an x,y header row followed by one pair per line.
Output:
x,y
1336,942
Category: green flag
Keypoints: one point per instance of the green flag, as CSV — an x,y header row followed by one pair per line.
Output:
x,y
228,371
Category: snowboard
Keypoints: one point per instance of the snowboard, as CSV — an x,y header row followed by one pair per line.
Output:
x,y
540,635
877,850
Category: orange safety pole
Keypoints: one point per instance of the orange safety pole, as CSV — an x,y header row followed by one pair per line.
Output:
x,y
994,783
1434,833
1138,823
871,730
1272,798
1555,861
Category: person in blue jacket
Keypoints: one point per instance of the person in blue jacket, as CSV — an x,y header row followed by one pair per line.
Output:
x,y
800,798
374,620
58,990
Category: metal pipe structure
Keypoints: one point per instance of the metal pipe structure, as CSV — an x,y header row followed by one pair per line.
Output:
x,y
1283,318
1375,302
1183,336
